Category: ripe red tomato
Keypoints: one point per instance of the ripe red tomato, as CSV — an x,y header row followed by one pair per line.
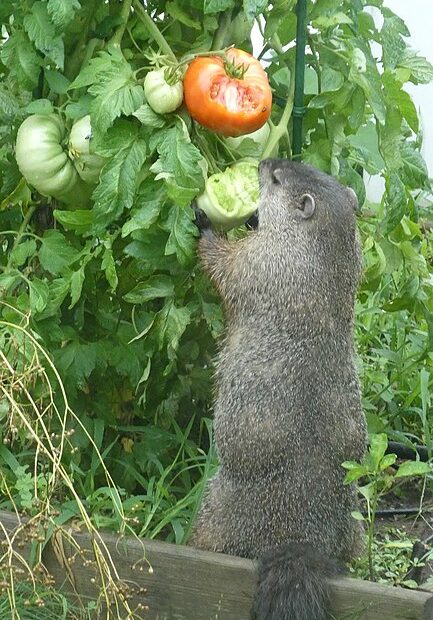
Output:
x,y
229,95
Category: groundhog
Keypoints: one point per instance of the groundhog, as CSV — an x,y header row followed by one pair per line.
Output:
x,y
287,409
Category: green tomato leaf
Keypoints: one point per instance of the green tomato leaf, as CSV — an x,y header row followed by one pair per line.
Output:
x,y
398,97
182,16
147,208
109,267
414,172
392,41
58,83
19,56
55,255
38,295
9,105
413,468
183,233
396,202
215,6
116,189
421,70
22,252
62,12
172,322
77,281
252,8
180,163
40,106
79,220
329,21
41,31
110,79
154,288
376,451
148,117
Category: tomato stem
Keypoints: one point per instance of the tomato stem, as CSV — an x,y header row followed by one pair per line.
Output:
x,y
154,30
279,131
221,32
21,231
116,39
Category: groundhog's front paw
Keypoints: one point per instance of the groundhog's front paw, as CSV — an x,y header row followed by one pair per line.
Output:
x,y
201,219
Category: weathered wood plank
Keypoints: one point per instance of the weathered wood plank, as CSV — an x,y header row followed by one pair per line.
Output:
x,y
186,584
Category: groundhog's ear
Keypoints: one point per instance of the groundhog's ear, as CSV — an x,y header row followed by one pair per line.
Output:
x,y
307,206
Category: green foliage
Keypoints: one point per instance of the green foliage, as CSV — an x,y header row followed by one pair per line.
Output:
x,y
114,293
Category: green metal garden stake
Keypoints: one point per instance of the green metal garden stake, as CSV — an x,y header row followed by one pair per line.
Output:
x,y
298,107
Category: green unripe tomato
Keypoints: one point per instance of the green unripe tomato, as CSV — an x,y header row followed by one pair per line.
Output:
x,y
87,163
232,196
45,164
160,95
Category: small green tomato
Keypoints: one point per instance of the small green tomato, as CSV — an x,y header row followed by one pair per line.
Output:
x,y
162,96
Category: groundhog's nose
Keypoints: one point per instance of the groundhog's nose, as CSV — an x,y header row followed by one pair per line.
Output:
x,y
266,165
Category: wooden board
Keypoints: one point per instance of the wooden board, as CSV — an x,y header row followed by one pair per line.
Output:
x,y
186,584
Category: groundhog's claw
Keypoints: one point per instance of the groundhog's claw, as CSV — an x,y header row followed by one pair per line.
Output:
x,y
201,219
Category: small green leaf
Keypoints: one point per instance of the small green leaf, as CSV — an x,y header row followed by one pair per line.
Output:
x,y
357,515
38,295
79,220
55,254
40,106
62,12
77,280
172,323
178,13
215,6
58,83
154,288
183,233
116,189
413,468
377,449
22,252
396,202
253,8
109,266
41,31
19,56
148,117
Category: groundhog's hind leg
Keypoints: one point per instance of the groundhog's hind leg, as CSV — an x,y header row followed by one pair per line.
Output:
x,y
216,528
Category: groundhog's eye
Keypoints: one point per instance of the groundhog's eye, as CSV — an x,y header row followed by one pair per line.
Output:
x,y
307,206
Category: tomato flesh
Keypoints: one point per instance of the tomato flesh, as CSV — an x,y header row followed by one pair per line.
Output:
x,y
228,105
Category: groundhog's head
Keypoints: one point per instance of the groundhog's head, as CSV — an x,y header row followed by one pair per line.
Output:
x,y
295,194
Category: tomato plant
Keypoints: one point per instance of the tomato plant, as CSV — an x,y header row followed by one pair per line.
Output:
x,y
229,94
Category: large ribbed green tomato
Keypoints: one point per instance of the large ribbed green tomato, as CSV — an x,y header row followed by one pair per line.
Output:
x,y
44,162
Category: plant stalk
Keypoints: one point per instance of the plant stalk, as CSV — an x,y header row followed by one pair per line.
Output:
x,y
298,107
280,130
22,229
153,30
116,39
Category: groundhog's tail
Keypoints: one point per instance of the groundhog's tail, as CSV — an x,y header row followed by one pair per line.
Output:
x,y
292,584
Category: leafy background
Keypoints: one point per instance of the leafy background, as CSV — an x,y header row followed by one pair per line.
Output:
x,y
114,293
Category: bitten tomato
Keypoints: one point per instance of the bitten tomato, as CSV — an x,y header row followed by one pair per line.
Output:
x,y
229,95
